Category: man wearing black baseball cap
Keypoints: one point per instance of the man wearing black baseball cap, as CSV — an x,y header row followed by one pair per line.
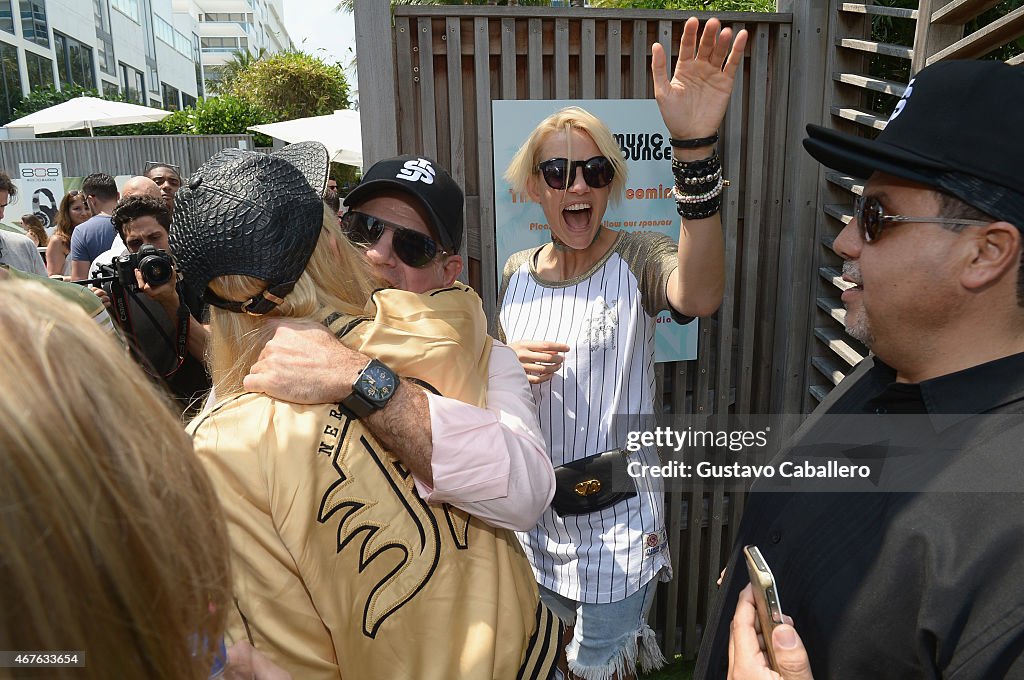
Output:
x,y
923,582
406,214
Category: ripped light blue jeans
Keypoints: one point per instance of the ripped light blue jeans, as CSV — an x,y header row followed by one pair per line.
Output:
x,y
608,639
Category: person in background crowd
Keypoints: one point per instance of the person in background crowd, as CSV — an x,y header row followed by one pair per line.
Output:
x,y
33,227
176,349
580,313
333,202
16,251
73,211
96,234
136,186
167,179
332,185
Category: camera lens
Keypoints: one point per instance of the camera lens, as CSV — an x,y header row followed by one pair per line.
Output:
x,y
155,269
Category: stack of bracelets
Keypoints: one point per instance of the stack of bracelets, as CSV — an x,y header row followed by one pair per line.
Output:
x,y
699,184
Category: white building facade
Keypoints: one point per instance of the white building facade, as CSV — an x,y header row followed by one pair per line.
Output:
x,y
230,26
155,52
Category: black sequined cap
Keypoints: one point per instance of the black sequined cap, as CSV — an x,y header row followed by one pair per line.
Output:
x,y
250,213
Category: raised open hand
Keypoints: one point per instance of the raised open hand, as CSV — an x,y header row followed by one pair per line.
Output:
x,y
693,102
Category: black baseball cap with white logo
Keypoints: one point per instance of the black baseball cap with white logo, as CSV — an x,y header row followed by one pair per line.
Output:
x,y
957,129
423,179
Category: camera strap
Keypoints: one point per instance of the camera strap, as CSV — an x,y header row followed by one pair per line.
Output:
x,y
179,345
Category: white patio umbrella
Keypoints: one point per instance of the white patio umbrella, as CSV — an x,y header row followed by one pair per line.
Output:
x,y
339,132
86,113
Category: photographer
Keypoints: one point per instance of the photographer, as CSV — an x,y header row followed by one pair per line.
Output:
x,y
163,325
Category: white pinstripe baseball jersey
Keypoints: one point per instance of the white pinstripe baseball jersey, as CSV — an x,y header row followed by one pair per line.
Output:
x,y
606,316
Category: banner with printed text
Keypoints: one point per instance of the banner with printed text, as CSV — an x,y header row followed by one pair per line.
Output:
x,y
646,206
40,190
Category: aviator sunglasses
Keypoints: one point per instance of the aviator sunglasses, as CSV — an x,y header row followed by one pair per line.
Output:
x,y
411,247
558,173
871,217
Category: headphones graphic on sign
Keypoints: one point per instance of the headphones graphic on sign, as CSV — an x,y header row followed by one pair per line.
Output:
x,y
47,213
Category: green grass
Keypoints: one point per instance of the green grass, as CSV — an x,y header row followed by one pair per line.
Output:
x,y
677,670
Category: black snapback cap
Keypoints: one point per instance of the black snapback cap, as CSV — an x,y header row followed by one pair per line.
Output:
x,y
423,179
955,129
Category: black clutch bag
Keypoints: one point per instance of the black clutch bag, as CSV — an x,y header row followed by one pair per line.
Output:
x,y
585,485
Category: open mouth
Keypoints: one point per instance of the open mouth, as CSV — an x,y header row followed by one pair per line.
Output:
x,y
577,216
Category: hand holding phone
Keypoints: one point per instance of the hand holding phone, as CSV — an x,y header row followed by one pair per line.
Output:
x,y
766,595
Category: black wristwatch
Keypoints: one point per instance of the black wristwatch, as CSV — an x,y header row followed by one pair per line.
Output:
x,y
371,391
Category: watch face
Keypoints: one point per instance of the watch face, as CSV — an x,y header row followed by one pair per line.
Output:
x,y
377,383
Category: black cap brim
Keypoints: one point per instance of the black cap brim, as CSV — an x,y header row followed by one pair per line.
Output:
x,y
861,157
364,191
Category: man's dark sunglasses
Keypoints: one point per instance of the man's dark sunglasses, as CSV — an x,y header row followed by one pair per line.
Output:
x,y
558,173
871,217
411,247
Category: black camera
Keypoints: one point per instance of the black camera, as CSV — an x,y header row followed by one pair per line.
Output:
x,y
154,264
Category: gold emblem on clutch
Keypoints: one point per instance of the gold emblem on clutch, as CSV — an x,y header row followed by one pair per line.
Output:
x,y
588,488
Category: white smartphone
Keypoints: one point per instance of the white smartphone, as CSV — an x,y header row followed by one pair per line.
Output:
x,y
766,595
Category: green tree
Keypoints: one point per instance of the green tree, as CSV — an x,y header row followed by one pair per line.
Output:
x,y
239,62
292,85
223,115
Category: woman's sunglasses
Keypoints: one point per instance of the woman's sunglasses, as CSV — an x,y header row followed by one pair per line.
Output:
x,y
411,247
559,173
871,217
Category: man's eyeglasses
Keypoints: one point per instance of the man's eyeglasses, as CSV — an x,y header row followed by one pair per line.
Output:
x,y
559,173
411,247
871,217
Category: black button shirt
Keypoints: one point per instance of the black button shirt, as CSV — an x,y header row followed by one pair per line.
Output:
x,y
911,584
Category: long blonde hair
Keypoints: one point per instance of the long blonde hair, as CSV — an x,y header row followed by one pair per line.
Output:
x,y
112,540
337,279
524,163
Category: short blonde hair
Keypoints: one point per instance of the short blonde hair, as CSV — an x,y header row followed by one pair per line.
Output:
x,y
337,278
112,540
524,163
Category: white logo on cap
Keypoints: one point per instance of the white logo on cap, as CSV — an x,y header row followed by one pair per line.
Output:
x,y
418,170
903,101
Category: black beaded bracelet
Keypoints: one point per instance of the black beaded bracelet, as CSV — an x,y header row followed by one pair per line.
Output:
x,y
700,211
693,143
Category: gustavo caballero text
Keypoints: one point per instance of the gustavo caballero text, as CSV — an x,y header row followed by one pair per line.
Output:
x,y
789,469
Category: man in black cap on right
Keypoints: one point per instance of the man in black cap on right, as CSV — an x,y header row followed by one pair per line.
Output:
x,y
924,582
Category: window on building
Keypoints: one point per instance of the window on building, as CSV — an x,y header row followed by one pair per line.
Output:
x,y
74,62
129,8
170,95
187,100
155,104
40,71
33,22
104,39
11,81
110,90
133,84
6,17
